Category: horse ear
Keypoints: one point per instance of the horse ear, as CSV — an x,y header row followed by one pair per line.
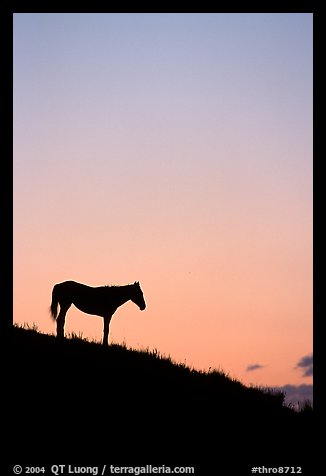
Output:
x,y
136,283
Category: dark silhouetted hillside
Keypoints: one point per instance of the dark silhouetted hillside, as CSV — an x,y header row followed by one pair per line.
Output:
x,y
79,400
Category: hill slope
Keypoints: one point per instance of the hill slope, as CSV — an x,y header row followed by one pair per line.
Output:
x,y
77,398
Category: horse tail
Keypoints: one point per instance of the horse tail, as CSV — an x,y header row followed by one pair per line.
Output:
x,y
54,303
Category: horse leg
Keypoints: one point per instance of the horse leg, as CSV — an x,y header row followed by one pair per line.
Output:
x,y
106,330
61,320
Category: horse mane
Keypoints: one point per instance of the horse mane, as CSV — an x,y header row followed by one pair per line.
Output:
x,y
113,287
117,285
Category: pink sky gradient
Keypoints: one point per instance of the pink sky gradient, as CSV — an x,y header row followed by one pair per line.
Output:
x,y
173,149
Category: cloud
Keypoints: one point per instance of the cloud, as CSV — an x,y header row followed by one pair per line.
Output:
x,y
306,363
296,394
252,367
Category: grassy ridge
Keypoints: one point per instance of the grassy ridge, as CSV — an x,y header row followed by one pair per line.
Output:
x,y
121,402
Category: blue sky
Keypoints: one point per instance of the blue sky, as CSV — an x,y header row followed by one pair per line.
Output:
x,y
174,149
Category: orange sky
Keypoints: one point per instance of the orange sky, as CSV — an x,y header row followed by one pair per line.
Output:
x,y
175,150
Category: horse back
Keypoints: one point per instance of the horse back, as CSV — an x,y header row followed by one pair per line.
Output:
x,y
92,300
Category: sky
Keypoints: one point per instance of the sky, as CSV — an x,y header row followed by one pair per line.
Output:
x,y
174,150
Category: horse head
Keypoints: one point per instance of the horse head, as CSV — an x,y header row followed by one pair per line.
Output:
x,y
137,296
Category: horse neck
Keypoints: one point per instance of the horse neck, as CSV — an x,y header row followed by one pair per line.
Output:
x,y
123,294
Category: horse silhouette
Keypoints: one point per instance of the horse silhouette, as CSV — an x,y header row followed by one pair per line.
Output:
x,y
100,301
